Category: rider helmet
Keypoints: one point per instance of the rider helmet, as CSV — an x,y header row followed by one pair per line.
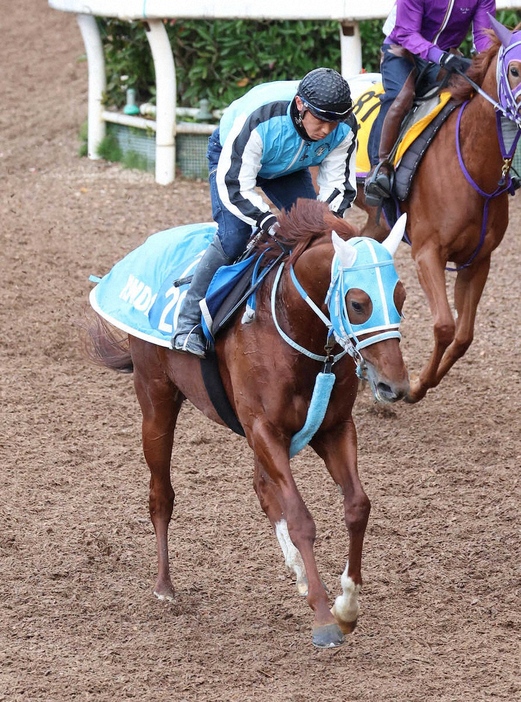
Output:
x,y
326,94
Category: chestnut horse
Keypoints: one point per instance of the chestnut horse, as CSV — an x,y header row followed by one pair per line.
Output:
x,y
458,204
334,303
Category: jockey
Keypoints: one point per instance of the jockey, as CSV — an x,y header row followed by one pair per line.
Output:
x,y
421,37
268,139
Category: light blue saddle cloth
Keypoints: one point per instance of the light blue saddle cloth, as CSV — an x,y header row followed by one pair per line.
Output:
x,y
139,297
138,294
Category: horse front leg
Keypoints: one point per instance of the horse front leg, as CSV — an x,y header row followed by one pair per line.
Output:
x,y
431,275
468,289
267,494
160,403
338,449
296,521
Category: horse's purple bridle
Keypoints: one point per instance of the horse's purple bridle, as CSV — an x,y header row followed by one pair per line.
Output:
x,y
506,109
510,50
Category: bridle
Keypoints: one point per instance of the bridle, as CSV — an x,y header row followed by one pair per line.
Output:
x,y
507,112
374,273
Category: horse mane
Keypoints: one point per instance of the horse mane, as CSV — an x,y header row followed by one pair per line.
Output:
x,y
460,88
305,223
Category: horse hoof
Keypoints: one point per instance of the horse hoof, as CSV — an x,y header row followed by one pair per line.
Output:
x,y
348,627
328,636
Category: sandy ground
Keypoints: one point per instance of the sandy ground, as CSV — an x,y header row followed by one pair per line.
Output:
x,y
441,612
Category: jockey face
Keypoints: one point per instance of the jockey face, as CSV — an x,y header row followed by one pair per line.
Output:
x,y
316,129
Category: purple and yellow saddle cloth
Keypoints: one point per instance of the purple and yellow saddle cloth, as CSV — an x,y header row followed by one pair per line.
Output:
x,y
139,296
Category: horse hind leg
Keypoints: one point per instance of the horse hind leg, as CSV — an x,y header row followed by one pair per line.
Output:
x,y
160,403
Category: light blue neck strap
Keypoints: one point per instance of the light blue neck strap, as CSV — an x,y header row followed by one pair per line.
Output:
x,y
316,412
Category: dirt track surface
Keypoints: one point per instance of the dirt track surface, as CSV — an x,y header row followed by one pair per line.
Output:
x,y
441,612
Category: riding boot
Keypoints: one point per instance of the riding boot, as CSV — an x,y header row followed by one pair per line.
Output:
x,y
189,336
379,182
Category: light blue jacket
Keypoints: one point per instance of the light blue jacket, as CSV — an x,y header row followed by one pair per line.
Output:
x,y
259,138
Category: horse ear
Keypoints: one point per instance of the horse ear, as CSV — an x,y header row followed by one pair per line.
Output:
x,y
345,251
502,33
395,235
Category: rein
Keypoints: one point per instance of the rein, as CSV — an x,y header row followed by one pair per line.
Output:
x,y
372,269
325,380
345,333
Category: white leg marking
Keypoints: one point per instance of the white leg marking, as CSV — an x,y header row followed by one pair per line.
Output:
x,y
292,556
346,607
164,598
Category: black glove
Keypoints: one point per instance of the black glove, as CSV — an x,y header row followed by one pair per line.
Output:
x,y
268,223
453,62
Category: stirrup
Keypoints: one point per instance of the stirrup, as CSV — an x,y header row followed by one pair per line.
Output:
x,y
190,342
378,186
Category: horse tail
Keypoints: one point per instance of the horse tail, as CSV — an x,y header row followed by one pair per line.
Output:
x,y
105,347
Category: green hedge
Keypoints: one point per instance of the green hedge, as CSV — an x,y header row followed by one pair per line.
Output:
x,y
221,59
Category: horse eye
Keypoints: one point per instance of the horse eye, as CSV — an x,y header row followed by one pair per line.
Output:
x,y
359,306
514,72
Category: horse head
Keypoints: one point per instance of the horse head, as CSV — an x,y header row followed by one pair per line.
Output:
x,y
508,70
366,297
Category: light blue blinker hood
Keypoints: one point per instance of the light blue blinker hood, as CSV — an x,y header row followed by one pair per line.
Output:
x,y
373,272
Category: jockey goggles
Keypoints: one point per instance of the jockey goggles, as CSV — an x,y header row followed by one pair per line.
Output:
x,y
327,115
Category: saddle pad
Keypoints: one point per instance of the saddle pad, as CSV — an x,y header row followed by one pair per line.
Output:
x,y
421,116
139,296
365,109
412,156
224,292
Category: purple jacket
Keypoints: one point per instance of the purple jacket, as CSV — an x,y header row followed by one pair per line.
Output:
x,y
427,28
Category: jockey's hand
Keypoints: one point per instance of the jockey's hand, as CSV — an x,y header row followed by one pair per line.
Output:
x,y
269,224
453,62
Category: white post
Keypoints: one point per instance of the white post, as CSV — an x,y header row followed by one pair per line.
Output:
x,y
351,49
165,99
97,82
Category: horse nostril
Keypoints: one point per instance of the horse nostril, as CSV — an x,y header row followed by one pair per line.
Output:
x,y
389,394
